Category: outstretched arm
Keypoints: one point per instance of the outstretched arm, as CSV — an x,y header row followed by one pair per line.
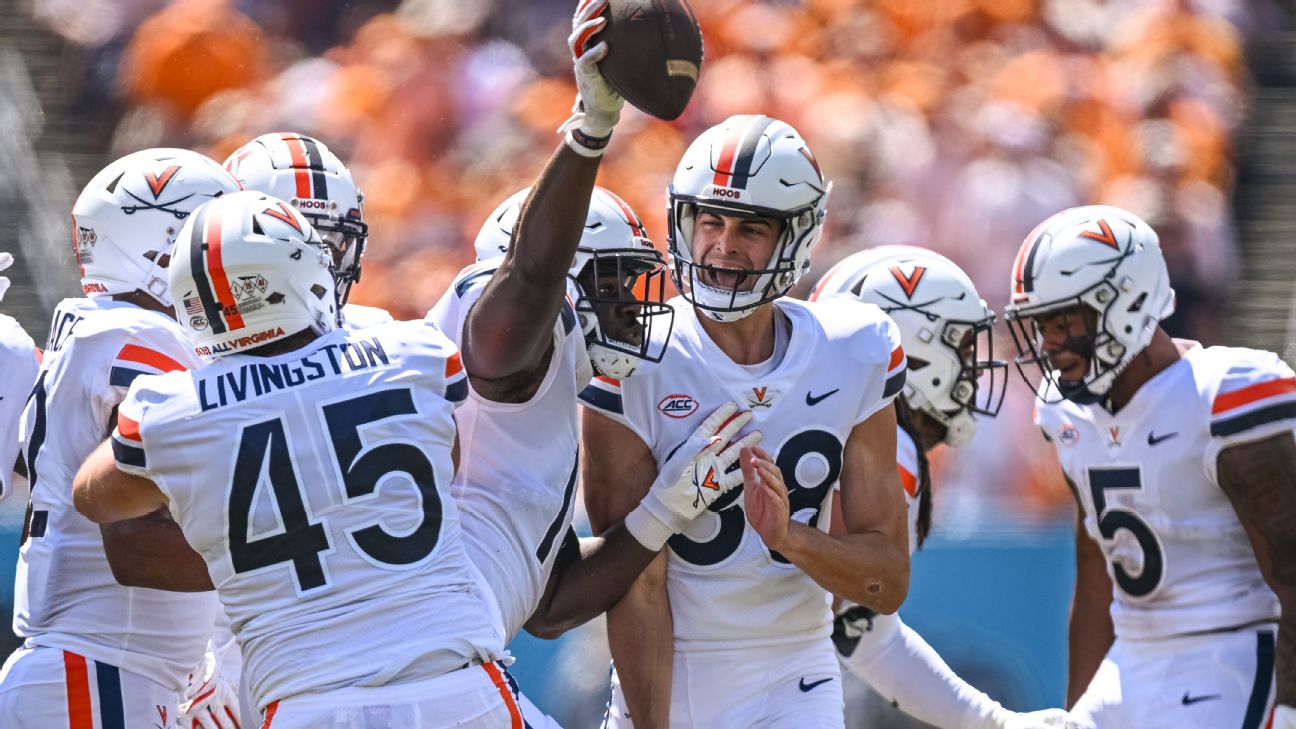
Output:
x,y
507,334
151,551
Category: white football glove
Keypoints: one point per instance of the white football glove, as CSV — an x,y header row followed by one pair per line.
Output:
x,y
1284,717
6,260
1046,719
211,700
693,477
598,107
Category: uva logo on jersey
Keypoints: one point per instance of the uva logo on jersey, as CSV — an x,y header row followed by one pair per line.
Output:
x,y
677,406
760,397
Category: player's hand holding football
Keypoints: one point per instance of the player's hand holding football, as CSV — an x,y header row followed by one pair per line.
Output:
x,y
696,474
766,497
598,107
211,700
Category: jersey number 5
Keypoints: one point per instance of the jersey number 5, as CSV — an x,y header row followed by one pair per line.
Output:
x,y
263,448
1111,521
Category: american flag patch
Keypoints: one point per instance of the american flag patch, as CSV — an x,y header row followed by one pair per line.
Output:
x,y
193,305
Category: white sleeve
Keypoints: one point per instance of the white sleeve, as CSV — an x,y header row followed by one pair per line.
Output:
x,y
901,666
20,365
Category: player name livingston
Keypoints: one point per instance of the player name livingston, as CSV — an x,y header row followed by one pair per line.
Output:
x,y
257,379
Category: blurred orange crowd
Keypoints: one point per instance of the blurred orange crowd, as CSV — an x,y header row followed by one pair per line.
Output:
x,y
952,124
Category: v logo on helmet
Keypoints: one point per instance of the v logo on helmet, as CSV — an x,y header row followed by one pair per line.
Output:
x,y
284,213
1106,237
157,183
909,283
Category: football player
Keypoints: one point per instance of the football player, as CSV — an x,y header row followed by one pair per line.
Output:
x,y
553,301
19,360
96,651
306,173
945,330
730,626
1180,458
310,466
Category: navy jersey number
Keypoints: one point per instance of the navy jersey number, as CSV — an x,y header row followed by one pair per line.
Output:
x,y
801,497
1112,520
301,541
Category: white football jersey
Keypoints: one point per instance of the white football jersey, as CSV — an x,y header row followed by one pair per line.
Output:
x,y
842,363
1179,559
516,482
357,316
19,360
315,484
65,594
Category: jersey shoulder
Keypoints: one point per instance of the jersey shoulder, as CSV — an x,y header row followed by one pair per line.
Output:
x,y
1247,389
417,346
14,340
855,329
358,316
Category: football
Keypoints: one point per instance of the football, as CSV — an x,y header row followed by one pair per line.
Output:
x,y
654,54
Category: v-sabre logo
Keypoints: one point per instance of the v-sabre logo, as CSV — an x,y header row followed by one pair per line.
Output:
x,y
677,406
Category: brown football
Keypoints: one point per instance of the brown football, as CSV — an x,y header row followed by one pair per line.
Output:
x,y
654,54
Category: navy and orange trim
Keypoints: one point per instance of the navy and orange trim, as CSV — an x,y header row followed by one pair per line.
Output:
x,y
604,393
896,370
80,706
208,270
308,165
734,165
1227,421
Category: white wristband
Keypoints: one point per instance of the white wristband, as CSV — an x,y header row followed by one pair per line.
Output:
x,y
647,529
585,145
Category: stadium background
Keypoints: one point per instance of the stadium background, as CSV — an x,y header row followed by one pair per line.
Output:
x,y
953,124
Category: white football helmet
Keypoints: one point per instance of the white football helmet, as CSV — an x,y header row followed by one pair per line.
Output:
x,y
945,328
250,269
126,220
306,173
621,276
747,166
1100,257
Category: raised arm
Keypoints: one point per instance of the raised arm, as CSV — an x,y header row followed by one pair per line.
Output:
x,y
869,564
507,334
1260,478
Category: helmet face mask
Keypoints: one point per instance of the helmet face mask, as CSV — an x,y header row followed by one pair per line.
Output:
x,y
622,309
1085,347
620,275
745,167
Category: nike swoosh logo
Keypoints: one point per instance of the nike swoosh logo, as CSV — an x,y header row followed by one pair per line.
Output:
x,y
1153,438
813,400
1190,700
813,684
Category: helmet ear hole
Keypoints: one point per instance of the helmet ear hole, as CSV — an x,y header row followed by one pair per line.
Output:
x,y
256,226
